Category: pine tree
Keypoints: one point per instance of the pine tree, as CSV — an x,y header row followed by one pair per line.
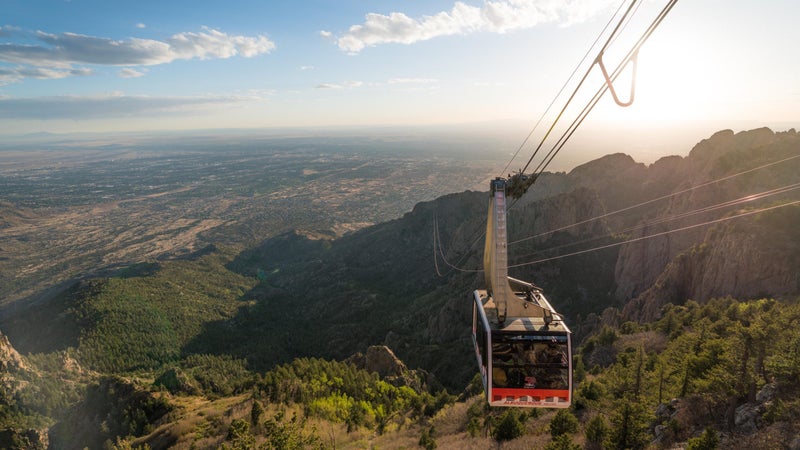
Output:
x,y
596,433
510,426
706,441
562,442
628,425
563,423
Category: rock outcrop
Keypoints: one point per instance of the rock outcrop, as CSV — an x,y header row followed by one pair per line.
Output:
x,y
10,359
381,359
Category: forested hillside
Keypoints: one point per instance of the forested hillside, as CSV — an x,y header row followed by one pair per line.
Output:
x,y
679,278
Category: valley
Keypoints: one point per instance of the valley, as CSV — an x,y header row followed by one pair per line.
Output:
x,y
67,211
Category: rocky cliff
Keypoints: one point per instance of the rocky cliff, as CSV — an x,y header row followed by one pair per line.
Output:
x,y
717,170
745,259
10,359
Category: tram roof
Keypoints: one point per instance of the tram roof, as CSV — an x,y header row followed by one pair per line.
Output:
x,y
531,323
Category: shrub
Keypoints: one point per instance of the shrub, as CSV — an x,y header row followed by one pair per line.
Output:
x,y
563,423
562,442
426,440
706,441
596,432
510,427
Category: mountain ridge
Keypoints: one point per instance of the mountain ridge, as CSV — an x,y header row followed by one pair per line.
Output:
x,y
294,297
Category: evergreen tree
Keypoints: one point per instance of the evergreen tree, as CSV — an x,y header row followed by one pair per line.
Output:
x,y
596,433
562,442
563,423
256,413
240,436
474,427
628,426
706,441
510,426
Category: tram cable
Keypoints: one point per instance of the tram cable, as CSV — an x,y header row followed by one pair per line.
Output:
x,y
735,202
663,233
621,24
437,247
663,197
435,233
564,86
523,346
705,209
577,88
631,56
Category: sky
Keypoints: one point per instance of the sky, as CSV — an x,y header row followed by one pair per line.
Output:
x,y
118,66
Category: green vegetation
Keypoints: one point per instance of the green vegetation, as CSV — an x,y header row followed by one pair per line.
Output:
x,y
710,357
210,375
564,422
279,434
678,379
340,392
713,357
196,329
562,442
426,440
596,433
510,426
707,441
141,319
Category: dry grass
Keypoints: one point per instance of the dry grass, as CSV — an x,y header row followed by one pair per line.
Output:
x,y
201,423
198,422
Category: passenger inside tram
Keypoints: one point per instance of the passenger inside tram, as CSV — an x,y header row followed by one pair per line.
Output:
x,y
530,365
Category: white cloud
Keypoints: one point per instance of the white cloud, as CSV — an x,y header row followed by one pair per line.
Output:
x,y
141,25
499,16
109,106
307,67
212,43
131,73
16,74
8,30
65,49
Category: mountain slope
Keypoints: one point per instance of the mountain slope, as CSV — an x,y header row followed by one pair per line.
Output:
x,y
717,169
746,259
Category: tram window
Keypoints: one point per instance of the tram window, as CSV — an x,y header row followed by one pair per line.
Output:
x,y
552,366
525,362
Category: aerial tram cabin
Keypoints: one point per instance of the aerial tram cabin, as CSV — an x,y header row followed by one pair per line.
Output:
x,y
522,344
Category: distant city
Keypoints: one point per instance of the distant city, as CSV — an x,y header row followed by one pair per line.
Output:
x,y
76,206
